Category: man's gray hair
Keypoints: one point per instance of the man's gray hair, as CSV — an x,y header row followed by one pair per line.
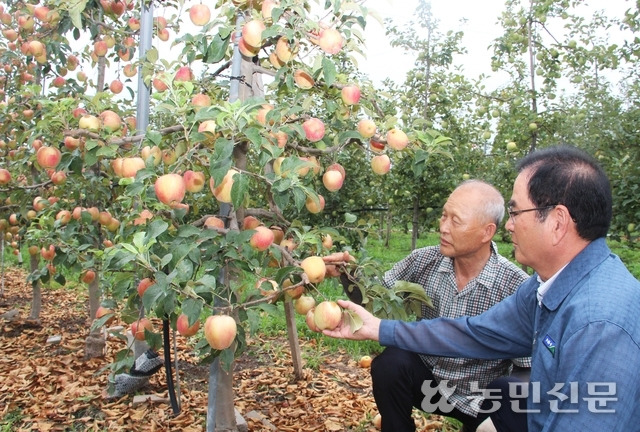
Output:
x,y
493,204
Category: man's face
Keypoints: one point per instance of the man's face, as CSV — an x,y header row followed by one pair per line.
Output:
x,y
462,229
527,231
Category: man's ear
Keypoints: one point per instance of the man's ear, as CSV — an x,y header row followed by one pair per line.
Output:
x,y
561,222
489,231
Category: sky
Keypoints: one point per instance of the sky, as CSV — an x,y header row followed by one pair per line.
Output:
x,y
479,30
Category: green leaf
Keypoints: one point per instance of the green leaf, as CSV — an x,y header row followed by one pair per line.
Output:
x,y
350,218
217,49
154,136
329,71
239,189
412,291
354,320
152,55
192,308
151,295
75,12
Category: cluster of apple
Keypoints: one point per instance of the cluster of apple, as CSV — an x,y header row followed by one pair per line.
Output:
x,y
9,229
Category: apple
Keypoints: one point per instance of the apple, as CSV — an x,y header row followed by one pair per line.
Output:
x,y
89,122
278,234
310,320
88,276
220,331
274,60
280,138
200,14
327,315
184,74
267,8
262,238
466,176
134,23
365,361
153,152
350,94
631,227
336,166
304,304
252,32
284,52
58,178
303,79
330,41
288,244
138,328
250,222
377,421
397,139
193,180
71,143
512,146
222,192
160,22
48,253
246,49
261,115
158,83
131,166
332,180
145,215
214,222
313,129
48,157
182,325
170,188
103,311
367,128
533,126
207,126
163,34
315,268
116,86
144,284
380,164
201,100
314,206
100,48
5,177
40,203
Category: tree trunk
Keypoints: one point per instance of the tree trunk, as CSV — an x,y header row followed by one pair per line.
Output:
x,y
416,223
387,240
36,302
294,343
2,265
95,343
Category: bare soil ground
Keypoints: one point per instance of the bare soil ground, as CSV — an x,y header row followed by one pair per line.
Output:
x,y
50,387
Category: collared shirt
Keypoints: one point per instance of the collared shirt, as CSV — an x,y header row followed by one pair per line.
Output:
x,y
544,286
584,342
498,279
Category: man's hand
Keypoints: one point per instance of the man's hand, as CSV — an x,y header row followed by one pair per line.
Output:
x,y
336,263
370,324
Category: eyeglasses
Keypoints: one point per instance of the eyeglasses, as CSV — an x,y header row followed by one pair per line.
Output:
x,y
514,213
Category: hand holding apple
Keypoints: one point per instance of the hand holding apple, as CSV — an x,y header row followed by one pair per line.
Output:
x,y
370,329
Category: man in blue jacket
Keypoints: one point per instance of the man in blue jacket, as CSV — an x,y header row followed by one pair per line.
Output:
x,y
577,316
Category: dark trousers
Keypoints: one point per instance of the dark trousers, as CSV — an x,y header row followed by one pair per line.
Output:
x,y
398,377
504,418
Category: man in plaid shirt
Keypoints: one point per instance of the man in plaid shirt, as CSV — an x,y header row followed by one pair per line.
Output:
x,y
463,276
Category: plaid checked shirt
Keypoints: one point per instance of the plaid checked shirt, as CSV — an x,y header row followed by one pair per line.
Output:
x,y
499,279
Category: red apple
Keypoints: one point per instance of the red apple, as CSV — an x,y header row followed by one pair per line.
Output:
x,y
284,51
144,284
350,94
304,304
131,166
145,215
48,157
88,276
170,188
327,315
48,253
332,180
381,164
5,176
184,74
116,86
220,331
303,79
250,222
58,178
213,222
194,181
138,328
200,14
100,48
222,192
338,167
314,206
262,238
134,23
315,268
103,311
310,320
252,32
163,34
182,325
313,129
397,139
201,100
330,41
367,128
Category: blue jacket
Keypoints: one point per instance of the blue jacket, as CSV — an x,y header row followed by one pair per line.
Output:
x,y
584,341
